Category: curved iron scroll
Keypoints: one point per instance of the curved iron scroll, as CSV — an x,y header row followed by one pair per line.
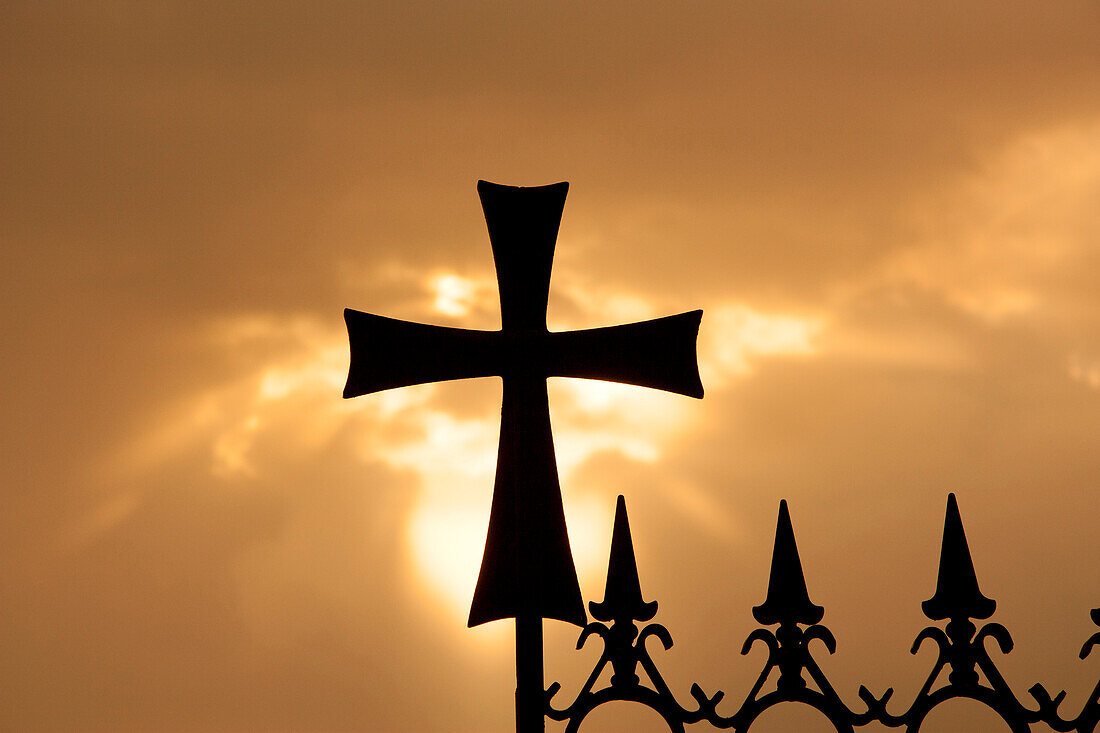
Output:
x,y
1089,717
788,605
959,600
961,650
788,651
625,647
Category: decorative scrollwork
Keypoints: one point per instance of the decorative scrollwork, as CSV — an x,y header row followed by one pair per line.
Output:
x,y
625,648
961,650
1089,717
788,605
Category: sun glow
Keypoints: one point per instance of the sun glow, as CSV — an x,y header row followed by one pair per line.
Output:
x,y
454,458
447,537
454,295
447,439
733,336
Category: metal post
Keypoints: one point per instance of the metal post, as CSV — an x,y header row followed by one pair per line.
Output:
x,y
529,683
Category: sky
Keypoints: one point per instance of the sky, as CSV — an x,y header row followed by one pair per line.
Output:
x,y
886,210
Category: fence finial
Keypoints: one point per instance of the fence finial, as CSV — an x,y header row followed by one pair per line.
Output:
x,y
788,600
957,593
622,596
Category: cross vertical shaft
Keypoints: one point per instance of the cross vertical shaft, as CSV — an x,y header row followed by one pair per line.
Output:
x,y
525,457
527,545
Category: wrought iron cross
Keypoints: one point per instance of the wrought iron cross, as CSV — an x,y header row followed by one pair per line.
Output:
x,y
527,571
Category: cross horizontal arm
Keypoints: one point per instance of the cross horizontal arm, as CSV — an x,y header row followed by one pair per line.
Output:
x,y
388,353
659,354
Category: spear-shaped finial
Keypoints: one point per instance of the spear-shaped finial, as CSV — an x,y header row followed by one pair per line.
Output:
x,y
788,601
957,593
622,596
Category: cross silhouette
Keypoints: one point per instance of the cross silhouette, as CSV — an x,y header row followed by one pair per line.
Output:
x,y
527,569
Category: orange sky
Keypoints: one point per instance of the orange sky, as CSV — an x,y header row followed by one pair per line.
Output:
x,y
886,210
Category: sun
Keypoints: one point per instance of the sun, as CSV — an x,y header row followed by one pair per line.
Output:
x,y
446,538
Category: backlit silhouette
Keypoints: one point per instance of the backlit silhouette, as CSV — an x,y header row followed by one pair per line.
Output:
x,y
527,571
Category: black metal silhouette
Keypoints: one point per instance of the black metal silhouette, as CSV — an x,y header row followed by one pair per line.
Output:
x,y
788,605
625,648
957,599
1087,720
527,571
528,574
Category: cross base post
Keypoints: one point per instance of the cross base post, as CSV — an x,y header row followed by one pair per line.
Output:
x,y
530,695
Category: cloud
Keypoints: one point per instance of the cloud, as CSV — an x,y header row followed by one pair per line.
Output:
x,y
999,242
1083,370
737,337
283,405
886,213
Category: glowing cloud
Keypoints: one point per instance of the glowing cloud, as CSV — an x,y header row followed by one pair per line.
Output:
x,y
446,435
995,243
454,295
733,337
1085,371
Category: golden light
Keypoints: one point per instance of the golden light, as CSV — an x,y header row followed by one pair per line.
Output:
x,y
446,539
1084,371
447,536
231,448
453,454
454,295
733,335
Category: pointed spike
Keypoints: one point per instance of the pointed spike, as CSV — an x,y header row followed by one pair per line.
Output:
x,y
957,593
622,596
788,600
